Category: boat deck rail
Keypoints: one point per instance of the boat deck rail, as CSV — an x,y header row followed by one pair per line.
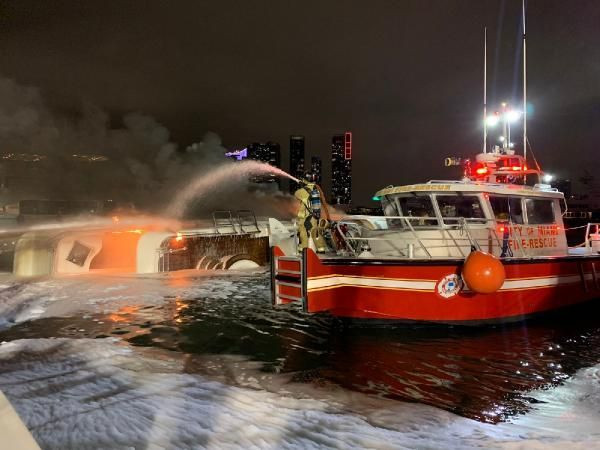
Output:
x,y
354,234
225,225
577,215
537,187
244,222
592,236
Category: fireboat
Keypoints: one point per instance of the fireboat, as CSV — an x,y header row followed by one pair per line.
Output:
x,y
488,248
484,249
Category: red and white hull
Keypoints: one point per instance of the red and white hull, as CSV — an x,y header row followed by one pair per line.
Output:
x,y
431,291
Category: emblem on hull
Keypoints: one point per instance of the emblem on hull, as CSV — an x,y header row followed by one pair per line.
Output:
x,y
449,286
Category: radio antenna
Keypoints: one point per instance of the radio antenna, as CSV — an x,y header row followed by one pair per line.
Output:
x,y
485,90
524,87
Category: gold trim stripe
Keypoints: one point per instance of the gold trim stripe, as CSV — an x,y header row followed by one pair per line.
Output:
x,y
330,282
368,287
321,277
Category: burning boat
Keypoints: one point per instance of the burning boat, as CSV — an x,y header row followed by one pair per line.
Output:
x,y
232,240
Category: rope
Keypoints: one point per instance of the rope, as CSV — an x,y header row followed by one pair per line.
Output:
x,y
533,156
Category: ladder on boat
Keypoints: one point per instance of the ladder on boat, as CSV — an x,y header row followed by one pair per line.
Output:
x,y
288,278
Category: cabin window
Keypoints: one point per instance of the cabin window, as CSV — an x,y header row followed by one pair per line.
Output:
x,y
507,209
455,206
389,207
539,211
418,206
79,253
563,206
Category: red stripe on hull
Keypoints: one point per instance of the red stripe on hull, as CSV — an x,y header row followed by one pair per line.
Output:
x,y
289,266
291,291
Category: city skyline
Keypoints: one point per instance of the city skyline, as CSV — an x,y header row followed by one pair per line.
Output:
x,y
297,158
341,168
269,152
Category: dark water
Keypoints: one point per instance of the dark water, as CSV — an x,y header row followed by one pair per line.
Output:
x,y
481,373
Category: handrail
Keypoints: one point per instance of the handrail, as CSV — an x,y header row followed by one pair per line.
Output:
x,y
249,222
453,240
588,241
577,215
223,219
457,244
344,237
523,250
417,238
463,225
456,219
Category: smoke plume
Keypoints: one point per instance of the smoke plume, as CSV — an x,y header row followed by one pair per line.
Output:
x,y
50,155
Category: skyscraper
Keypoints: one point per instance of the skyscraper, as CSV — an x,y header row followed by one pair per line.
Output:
x,y
316,167
296,160
267,152
341,168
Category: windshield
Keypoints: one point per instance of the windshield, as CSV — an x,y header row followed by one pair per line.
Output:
x,y
454,206
507,208
539,211
418,206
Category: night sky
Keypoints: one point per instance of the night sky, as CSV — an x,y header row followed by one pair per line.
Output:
x,y
404,76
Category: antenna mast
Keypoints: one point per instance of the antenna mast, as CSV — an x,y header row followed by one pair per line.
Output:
x,y
485,90
524,88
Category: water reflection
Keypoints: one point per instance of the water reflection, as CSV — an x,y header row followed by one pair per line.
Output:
x,y
481,373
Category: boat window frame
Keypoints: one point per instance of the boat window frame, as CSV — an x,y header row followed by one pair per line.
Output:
x,y
476,222
392,224
436,216
389,200
526,211
509,220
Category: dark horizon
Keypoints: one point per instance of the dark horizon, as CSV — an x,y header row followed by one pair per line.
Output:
x,y
404,77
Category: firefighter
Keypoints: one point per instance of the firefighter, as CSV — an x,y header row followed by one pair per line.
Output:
x,y
309,213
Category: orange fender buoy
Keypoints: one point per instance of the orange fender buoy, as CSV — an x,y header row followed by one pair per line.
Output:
x,y
483,273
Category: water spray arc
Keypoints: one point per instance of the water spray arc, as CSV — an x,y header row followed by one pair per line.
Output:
x,y
204,184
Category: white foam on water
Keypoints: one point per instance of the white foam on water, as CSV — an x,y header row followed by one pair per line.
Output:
x,y
82,393
102,393
56,297
570,411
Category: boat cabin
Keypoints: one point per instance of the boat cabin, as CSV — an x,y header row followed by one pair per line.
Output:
x,y
445,219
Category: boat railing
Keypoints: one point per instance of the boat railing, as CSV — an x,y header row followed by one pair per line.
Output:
x,y
223,222
354,234
247,222
228,223
592,237
577,215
